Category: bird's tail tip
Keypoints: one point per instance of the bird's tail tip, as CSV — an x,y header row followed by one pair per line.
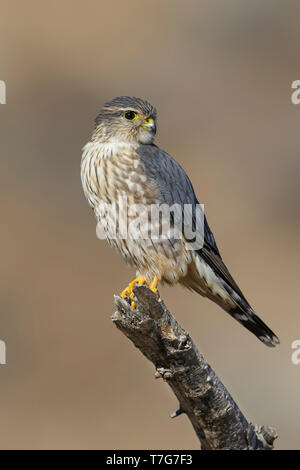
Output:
x,y
270,341
248,318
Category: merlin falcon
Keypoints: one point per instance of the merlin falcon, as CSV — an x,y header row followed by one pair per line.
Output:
x,y
122,162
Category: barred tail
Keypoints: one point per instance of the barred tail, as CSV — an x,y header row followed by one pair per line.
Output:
x,y
246,316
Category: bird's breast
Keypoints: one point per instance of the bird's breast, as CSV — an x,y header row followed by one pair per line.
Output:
x,y
111,170
122,195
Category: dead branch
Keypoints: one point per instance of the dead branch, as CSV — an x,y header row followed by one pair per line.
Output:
x,y
216,418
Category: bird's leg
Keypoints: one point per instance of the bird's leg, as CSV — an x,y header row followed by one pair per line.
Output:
x,y
153,285
140,280
128,289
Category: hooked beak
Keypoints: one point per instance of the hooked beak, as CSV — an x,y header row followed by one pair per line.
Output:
x,y
149,125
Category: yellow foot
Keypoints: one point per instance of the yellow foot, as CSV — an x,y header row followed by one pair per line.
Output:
x,y
154,284
140,280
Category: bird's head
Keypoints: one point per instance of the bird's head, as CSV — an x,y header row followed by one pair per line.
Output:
x,y
126,119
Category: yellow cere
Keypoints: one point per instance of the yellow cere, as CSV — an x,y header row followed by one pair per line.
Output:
x,y
148,121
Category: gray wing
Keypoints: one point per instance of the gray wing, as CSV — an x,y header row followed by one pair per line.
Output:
x,y
176,188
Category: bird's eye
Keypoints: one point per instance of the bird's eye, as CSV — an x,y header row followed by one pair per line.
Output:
x,y
130,115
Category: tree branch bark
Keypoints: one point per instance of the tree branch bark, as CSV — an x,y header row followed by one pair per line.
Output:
x,y
216,418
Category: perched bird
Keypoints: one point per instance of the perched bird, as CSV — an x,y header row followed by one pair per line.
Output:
x,y
122,160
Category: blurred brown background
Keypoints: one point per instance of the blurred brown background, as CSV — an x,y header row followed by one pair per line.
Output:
x,y
220,75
